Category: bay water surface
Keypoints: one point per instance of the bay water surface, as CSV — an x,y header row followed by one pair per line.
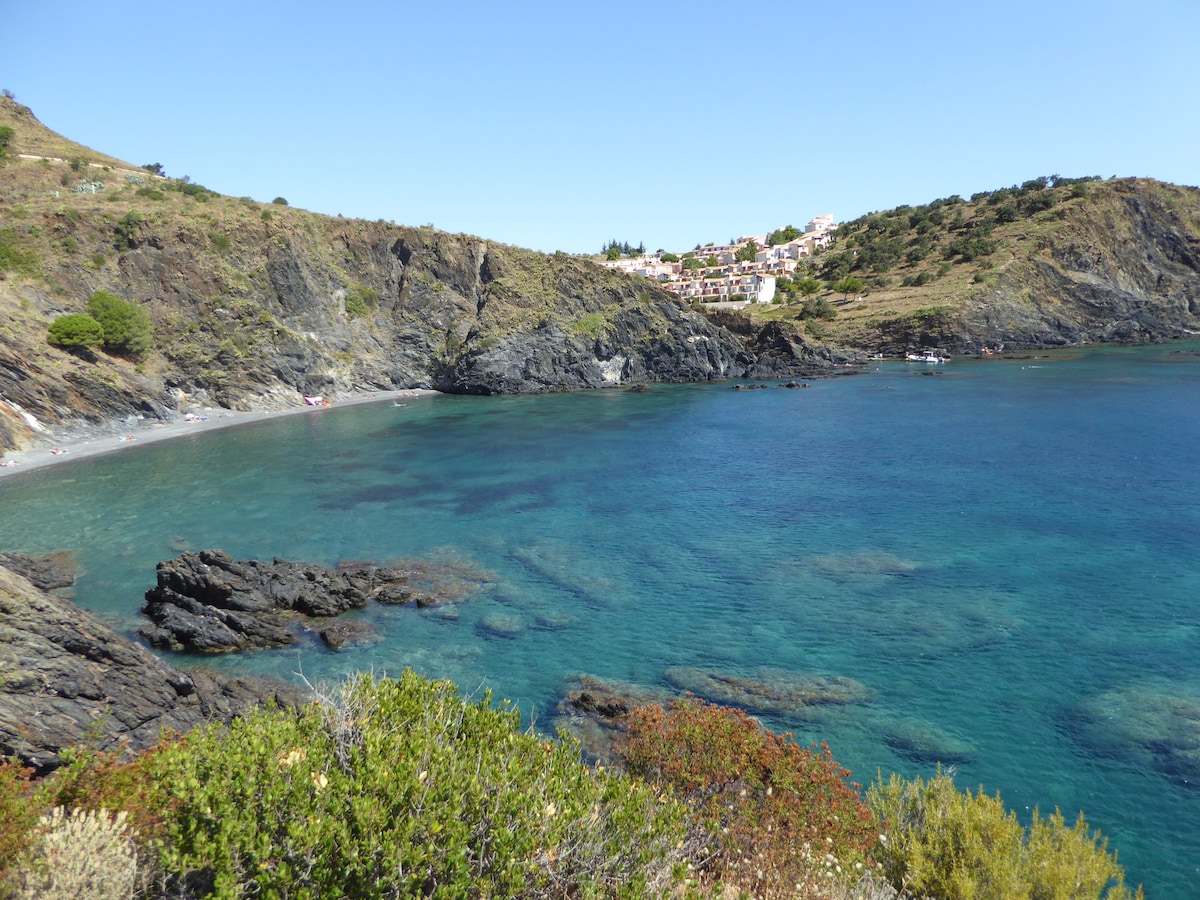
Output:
x,y
1002,552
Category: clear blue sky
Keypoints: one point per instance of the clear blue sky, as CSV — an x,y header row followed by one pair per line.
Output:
x,y
561,125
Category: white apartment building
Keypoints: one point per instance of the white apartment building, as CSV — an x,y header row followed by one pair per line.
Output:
x,y
755,280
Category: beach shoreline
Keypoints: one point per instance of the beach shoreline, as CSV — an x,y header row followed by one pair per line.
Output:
x,y
16,462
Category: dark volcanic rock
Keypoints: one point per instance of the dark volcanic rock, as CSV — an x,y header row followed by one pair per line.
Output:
x,y
206,601
778,349
66,679
54,570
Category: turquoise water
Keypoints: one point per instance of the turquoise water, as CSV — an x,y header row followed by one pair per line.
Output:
x,y
1002,552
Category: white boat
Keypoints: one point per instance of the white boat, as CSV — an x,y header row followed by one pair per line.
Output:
x,y
929,356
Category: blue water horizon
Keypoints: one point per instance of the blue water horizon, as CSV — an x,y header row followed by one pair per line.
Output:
x,y
1002,553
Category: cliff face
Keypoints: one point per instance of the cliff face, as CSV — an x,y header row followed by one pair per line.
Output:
x,y
253,305
1124,268
1042,264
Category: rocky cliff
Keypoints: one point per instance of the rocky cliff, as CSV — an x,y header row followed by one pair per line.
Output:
x,y
1124,267
66,680
254,304
1049,263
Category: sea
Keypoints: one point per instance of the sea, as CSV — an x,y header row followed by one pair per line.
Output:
x,y
1001,555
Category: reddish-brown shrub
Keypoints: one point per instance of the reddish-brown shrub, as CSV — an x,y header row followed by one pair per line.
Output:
x,y
17,814
777,815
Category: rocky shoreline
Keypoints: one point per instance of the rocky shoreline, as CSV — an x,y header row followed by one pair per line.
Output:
x,y
67,679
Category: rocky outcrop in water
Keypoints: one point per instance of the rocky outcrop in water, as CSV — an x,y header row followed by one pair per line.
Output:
x,y
66,679
777,349
54,570
595,711
209,602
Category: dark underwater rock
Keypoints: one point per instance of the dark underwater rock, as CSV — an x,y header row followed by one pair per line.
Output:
x,y
67,679
924,742
1155,725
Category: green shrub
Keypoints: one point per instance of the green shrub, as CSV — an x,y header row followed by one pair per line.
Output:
x,y
76,333
220,241
125,231
18,259
150,193
591,326
280,201
945,844
360,300
778,814
399,788
818,308
127,328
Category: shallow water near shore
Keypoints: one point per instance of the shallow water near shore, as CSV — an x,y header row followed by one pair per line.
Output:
x,y
1003,552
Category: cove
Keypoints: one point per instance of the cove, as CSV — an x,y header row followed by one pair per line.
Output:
x,y
1001,553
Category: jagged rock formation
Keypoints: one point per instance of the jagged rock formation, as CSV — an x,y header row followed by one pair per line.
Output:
x,y
209,602
66,679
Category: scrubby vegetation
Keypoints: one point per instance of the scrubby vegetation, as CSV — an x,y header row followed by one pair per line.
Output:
x,y
945,844
769,816
401,788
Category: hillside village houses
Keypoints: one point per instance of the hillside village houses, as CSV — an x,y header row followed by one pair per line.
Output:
x,y
755,281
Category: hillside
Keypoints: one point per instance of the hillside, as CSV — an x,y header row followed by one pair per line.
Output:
x,y
253,304
1051,262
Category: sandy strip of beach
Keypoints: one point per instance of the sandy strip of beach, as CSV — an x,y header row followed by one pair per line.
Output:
x,y
17,461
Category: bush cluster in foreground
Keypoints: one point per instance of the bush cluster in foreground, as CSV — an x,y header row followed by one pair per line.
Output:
x,y
400,788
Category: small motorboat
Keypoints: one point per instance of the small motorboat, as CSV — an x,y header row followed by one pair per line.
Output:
x,y
929,356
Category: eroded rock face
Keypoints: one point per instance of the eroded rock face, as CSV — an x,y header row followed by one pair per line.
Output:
x,y
67,679
209,602
54,570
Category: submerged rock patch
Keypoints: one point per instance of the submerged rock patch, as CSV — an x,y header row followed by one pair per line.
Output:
x,y
768,691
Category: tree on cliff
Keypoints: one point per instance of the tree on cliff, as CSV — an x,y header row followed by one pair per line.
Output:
x,y
76,333
126,328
